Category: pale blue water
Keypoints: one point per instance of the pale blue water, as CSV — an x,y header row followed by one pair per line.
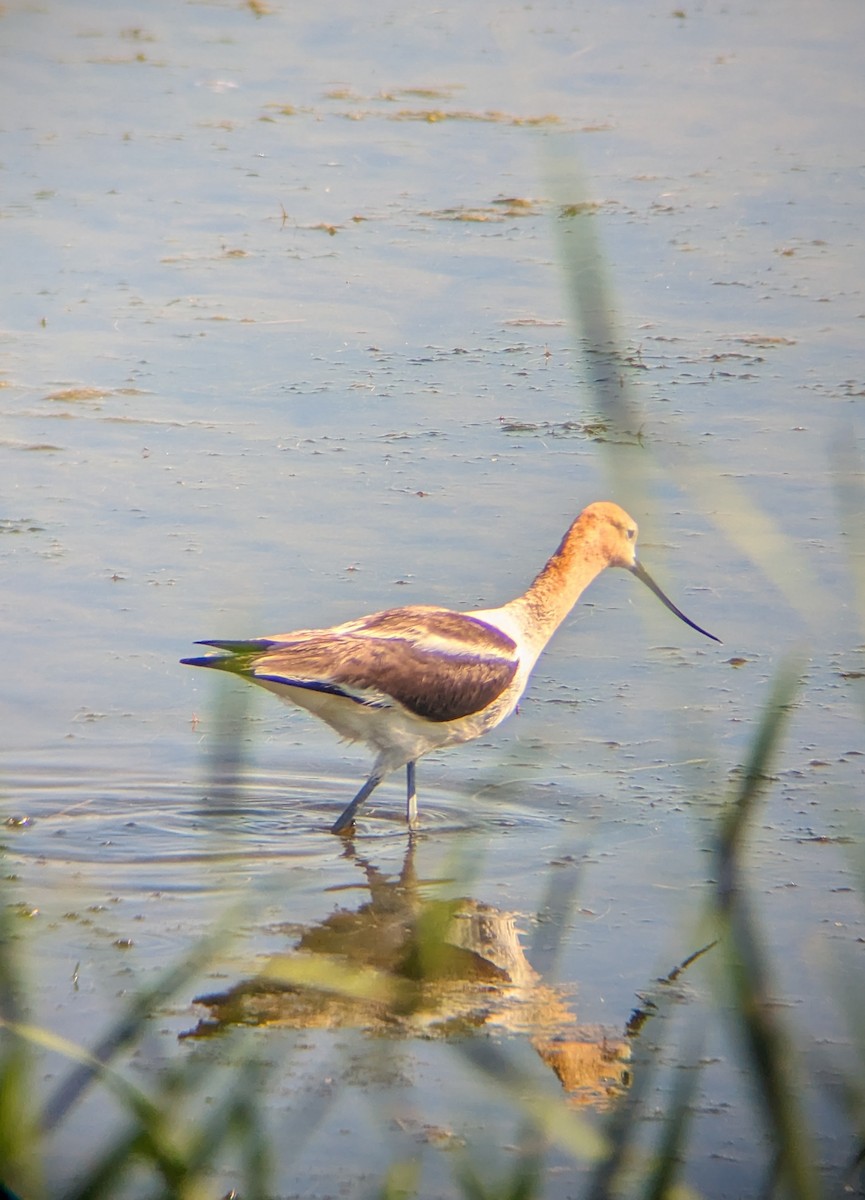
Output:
x,y
276,352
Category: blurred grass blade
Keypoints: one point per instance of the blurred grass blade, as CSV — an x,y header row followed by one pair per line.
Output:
x,y
661,1182
769,1051
182,1152
549,1114
401,1181
756,771
588,289
327,973
18,1120
523,1182
849,478
753,532
129,1026
553,917
636,468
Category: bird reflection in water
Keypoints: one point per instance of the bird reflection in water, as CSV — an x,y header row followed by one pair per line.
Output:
x,y
409,963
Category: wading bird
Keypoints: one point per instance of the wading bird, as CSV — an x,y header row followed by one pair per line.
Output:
x,y
410,680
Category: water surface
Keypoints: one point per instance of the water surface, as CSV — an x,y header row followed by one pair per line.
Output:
x,y
287,338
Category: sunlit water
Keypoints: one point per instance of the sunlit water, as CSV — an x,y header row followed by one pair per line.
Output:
x,y
286,339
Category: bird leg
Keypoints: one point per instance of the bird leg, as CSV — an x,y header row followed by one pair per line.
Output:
x,y
411,797
346,818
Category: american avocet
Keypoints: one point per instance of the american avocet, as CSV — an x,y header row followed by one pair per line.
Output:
x,y
410,680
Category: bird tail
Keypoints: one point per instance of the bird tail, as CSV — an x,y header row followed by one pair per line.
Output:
x,y
237,657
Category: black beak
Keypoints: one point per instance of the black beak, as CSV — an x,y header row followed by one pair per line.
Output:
x,y
641,573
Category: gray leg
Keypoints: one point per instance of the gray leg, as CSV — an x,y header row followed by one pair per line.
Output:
x,y
411,797
346,818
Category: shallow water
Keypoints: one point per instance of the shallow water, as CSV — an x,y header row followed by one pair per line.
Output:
x,y
286,338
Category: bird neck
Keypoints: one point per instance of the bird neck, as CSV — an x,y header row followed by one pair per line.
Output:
x,y
554,592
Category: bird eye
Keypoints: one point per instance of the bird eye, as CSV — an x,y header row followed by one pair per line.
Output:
x,y
631,533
